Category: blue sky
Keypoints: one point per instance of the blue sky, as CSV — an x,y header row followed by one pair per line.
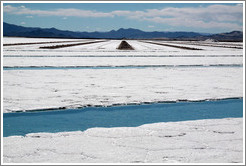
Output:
x,y
196,17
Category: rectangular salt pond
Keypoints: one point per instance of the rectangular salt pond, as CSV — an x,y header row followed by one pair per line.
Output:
x,y
118,116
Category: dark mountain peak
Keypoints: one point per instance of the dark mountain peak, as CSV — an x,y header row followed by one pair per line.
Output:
x,y
128,30
230,33
121,29
53,28
229,36
4,23
237,32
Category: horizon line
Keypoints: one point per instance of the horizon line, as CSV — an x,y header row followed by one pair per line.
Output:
x,y
119,29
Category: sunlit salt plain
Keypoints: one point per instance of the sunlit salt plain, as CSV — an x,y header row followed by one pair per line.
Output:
x,y
149,73
161,73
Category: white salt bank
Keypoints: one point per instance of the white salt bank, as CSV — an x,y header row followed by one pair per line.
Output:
x,y
200,141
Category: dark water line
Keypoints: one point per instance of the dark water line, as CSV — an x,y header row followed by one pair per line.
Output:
x,y
32,43
119,56
118,116
113,67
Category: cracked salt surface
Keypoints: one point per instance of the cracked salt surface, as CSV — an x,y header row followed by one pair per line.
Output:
x,y
34,89
178,142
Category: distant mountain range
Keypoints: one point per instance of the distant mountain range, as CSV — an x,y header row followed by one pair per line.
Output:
x,y
20,31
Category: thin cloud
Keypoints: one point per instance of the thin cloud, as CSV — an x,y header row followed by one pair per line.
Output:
x,y
191,22
213,16
57,12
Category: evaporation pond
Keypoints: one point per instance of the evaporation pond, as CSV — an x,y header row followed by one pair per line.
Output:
x,y
118,116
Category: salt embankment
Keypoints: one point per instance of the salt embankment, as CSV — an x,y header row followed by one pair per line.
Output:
x,y
201,141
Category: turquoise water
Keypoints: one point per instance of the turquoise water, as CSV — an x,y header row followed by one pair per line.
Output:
x,y
118,116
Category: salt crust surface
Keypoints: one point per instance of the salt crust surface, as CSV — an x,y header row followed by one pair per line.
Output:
x,y
200,141
109,48
118,61
41,89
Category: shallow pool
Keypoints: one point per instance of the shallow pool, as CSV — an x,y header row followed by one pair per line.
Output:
x,y
118,116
